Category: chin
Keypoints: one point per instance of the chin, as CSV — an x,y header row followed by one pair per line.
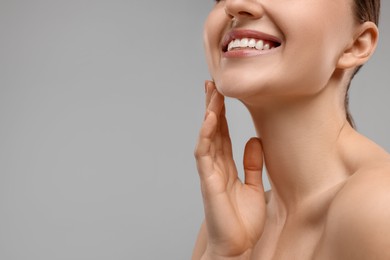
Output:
x,y
230,88
239,87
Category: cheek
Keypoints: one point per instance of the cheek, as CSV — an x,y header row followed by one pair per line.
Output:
x,y
311,55
207,44
212,33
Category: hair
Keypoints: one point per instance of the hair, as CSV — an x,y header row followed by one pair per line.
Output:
x,y
364,11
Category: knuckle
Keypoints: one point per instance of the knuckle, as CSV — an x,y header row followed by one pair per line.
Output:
x,y
252,168
197,153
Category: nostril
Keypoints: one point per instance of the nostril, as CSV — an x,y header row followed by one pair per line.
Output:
x,y
243,13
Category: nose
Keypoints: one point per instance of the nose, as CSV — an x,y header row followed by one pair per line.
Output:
x,y
244,9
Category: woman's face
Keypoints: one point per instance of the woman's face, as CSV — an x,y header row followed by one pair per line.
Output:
x,y
292,46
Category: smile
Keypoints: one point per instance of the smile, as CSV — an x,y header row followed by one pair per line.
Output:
x,y
251,44
249,40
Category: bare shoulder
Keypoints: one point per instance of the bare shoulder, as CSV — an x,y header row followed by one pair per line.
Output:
x,y
358,225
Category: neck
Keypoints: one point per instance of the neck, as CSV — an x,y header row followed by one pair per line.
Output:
x,y
303,144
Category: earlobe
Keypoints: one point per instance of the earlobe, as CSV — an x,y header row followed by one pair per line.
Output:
x,y
362,47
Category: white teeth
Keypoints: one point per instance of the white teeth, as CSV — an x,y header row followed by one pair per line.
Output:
x,y
230,46
252,43
236,43
244,43
259,45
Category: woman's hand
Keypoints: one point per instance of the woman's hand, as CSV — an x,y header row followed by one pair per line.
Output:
x,y
234,211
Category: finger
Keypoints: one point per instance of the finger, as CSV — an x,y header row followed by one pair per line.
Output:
x,y
209,87
204,152
216,102
224,128
227,146
253,163
216,106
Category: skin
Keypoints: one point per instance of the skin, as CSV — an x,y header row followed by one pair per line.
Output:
x,y
330,196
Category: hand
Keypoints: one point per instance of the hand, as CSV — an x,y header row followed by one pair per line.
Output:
x,y
234,211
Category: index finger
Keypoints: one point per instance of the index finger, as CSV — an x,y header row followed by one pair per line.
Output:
x,y
209,87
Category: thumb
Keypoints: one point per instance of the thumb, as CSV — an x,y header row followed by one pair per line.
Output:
x,y
253,163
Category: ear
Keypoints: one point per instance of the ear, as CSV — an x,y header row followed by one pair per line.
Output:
x,y
362,47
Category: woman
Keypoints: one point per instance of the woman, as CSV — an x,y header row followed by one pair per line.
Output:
x,y
290,63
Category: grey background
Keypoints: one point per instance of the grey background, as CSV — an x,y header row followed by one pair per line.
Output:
x,y
100,106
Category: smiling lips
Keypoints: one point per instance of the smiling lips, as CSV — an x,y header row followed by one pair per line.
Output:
x,y
250,43
249,40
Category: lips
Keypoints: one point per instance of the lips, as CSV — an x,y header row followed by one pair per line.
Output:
x,y
250,34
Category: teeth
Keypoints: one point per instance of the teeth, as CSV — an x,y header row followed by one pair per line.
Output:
x,y
244,43
251,43
230,46
236,43
259,45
